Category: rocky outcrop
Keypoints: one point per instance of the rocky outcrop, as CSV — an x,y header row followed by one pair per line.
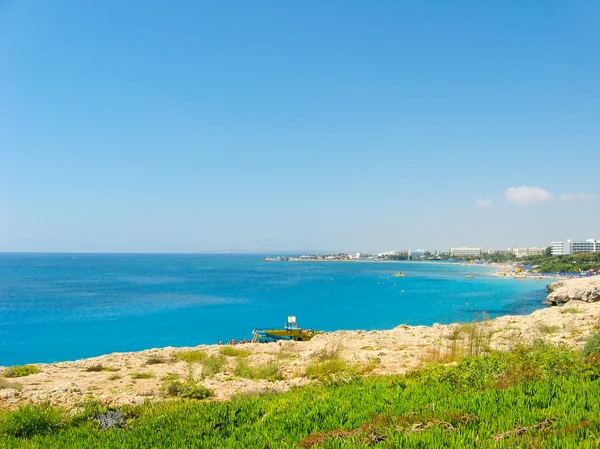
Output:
x,y
584,289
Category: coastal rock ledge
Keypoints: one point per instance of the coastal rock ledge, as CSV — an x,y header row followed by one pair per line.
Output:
x,y
584,289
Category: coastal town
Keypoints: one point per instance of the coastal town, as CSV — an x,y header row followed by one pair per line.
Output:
x,y
568,258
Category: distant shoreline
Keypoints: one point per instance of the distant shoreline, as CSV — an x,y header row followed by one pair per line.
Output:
x,y
504,268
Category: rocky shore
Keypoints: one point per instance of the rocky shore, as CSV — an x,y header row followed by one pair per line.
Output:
x,y
136,377
584,289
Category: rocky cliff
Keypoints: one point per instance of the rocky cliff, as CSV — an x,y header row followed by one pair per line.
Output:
x,y
584,289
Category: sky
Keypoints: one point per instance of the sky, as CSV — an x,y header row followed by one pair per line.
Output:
x,y
273,126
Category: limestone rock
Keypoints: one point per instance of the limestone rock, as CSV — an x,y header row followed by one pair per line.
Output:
x,y
584,289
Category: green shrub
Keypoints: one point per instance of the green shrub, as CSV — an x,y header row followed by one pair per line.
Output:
x,y
190,356
142,375
592,347
267,371
233,352
212,365
30,420
21,371
188,389
333,370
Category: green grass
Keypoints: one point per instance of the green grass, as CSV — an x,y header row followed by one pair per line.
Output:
x,y
267,371
189,389
21,371
233,352
190,356
592,347
212,365
533,397
31,420
333,370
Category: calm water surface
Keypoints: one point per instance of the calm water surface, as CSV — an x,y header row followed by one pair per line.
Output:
x,y
64,307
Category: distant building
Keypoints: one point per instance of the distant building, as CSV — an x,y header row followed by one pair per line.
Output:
x,y
526,252
570,247
500,251
416,253
561,248
588,246
466,251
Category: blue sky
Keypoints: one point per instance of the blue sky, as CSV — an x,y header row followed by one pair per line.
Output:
x,y
310,125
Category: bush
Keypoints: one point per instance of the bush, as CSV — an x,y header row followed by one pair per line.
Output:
x,y
190,356
30,420
267,371
21,371
592,347
188,389
212,365
331,371
233,352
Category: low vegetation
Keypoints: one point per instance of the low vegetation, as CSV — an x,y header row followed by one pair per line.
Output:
x,y
592,347
212,365
6,384
330,368
190,356
534,396
98,367
189,389
568,263
21,371
155,360
548,329
142,375
267,371
233,352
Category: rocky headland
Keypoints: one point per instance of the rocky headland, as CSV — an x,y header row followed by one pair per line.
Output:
x,y
584,289
136,377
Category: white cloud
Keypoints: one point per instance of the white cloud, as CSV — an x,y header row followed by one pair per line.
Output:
x,y
575,197
528,195
483,204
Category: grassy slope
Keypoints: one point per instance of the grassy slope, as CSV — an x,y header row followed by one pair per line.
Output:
x,y
455,406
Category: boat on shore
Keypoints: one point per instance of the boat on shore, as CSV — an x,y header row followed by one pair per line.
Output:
x,y
290,331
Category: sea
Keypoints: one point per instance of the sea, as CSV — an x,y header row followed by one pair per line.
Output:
x,y
59,307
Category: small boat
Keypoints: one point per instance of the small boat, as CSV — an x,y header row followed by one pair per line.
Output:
x,y
291,331
399,275
469,277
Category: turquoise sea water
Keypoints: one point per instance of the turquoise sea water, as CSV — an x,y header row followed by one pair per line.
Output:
x,y
56,307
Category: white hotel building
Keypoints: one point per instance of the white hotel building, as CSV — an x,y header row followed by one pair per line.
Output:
x,y
570,247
